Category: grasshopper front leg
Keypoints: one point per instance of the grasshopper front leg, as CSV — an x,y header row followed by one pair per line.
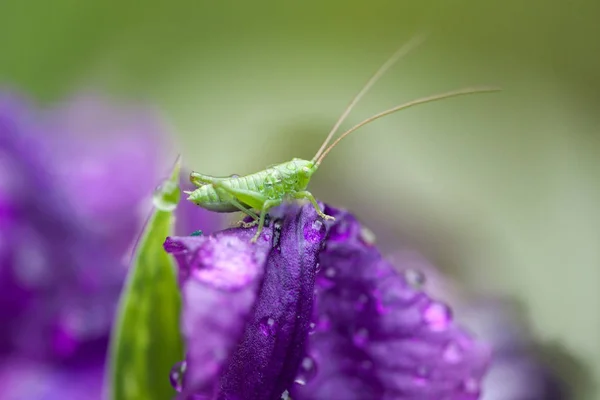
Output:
x,y
266,207
308,195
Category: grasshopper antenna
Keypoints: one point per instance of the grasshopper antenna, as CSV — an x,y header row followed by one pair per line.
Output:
x,y
429,99
402,51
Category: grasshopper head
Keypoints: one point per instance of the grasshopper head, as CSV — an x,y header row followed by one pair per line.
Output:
x,y
305,170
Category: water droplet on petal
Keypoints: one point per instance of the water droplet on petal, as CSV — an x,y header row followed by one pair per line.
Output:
x,y
437,316
268,326
367,236
314,231
360,337
307,371
166,196
392,291
311,328
471,386
317,268
414,278
177,374
197,233
330,272
452,353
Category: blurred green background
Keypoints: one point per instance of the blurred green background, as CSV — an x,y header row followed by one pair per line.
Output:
x,y
501,190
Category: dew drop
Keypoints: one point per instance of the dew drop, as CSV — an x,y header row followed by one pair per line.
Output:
x,y
470,386
360,337
307,371
367,236
392,291
317,268
330,272
197,233
177,374
268,326
166,196
286,396
437,316
415,278
452,353
314,231
312,328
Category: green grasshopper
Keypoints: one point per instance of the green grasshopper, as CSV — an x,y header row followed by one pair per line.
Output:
x,y
257,193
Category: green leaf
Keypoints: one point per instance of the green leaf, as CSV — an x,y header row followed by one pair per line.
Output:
x,y
146,340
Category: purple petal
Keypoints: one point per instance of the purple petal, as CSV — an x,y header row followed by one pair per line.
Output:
x,y
72,181
23,379
378,337
261,344
61,272
222,276
107,157
516,372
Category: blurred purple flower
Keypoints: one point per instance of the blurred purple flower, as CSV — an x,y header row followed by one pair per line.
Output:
x,y
516,372
75,187
314,311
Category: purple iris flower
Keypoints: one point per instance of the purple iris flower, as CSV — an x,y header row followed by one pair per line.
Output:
x,y
313,311
75,188
516,371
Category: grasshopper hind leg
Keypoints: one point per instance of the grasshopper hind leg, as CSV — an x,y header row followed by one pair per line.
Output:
x,y
244,224
248,212
199,179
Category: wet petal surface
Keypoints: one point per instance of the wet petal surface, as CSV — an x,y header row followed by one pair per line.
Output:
x,y
253,348
377,335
